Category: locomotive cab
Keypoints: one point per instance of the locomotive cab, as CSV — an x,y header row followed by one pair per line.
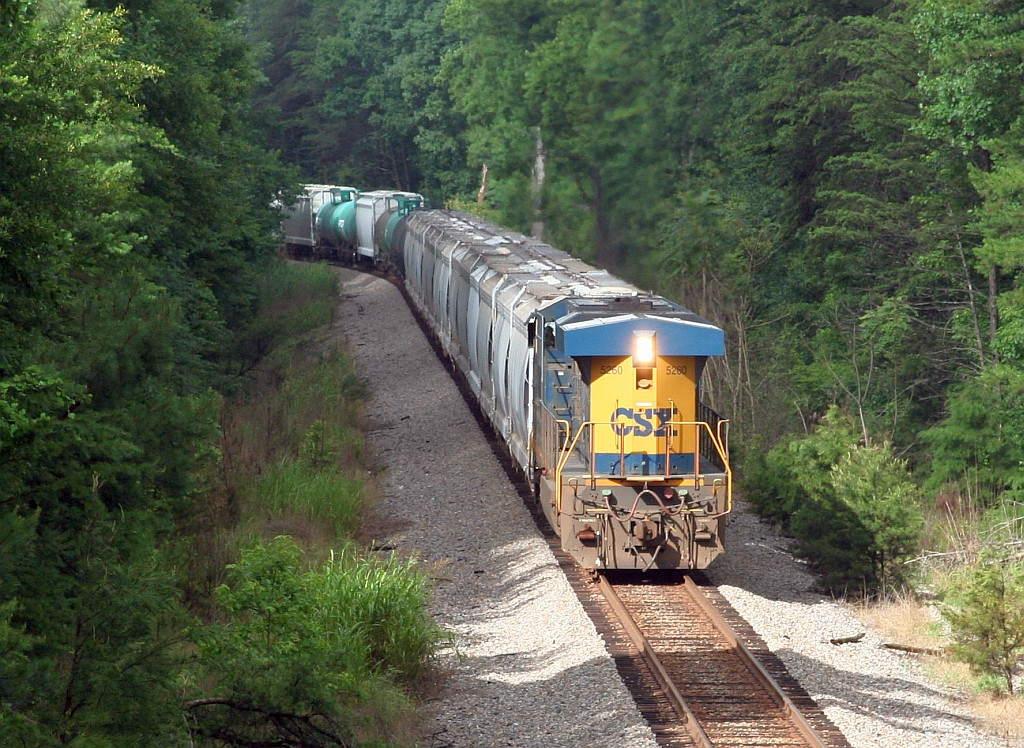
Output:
x,y
633,470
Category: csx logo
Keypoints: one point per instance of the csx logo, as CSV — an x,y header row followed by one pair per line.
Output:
x,y
643,421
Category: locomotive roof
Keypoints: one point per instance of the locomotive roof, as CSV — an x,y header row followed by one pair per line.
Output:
x,y
605,327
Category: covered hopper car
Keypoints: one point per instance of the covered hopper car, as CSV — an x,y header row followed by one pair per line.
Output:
x,y
593,386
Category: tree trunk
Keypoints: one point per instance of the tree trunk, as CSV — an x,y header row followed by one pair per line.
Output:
x,y
971,299
985,164
538,176
481,194
993,307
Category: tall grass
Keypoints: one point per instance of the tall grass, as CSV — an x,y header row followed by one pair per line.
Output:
x,y
294,491
306,397
290,300
384,603
348,633
291,448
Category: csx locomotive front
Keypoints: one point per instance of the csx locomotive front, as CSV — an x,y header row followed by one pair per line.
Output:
x,y
632,469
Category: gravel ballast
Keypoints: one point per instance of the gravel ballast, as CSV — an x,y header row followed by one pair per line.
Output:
x,y
529,668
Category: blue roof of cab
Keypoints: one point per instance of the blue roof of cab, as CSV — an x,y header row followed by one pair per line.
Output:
x,y
607,326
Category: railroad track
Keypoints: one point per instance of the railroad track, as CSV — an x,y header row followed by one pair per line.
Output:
x,y
717,691
706,650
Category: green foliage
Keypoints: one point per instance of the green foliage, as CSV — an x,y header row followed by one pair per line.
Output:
x,y
861,530
973,85
385,602
309,647
203,207
1009,340
95,657
69,130
116,255
998,218
978,447
330,392
485,73
571,99
278,319
311,491
367,114
985,611
771,486
328,444
853,509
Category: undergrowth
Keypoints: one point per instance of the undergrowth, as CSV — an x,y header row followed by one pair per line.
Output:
x,y
298,619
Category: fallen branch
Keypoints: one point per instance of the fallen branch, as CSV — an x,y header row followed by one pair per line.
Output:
x,y
915,650
847,639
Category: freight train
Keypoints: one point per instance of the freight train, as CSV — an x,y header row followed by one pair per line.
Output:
x,y
593,386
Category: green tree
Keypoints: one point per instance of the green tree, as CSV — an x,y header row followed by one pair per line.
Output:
x,y
69,131
978,447
92,603
974,88
985,611
110,331
852,508
344,110
878,491
201,211
485,73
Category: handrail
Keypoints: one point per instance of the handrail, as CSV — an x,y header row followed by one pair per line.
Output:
x,y
714,436
550,440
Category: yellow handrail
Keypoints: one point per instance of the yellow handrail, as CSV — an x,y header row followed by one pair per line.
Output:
x,y
570,445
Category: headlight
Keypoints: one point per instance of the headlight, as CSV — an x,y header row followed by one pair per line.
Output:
x,y
643,349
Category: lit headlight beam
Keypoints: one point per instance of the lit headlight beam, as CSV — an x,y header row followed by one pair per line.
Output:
x,y
643,354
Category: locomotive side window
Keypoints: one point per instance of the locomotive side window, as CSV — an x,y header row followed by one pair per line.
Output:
x,y
549,336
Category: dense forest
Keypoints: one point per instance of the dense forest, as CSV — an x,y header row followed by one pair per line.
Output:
x,y
840,185
158,417
834,182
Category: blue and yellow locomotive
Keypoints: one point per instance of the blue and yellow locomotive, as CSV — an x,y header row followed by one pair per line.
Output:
x,y
633,469
593,386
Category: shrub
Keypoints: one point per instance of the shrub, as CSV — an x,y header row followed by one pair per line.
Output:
x,y
985,610
310,651
863,522
771,486
853,509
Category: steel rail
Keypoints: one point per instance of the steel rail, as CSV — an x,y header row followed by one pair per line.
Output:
x,y
790,709
693,727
